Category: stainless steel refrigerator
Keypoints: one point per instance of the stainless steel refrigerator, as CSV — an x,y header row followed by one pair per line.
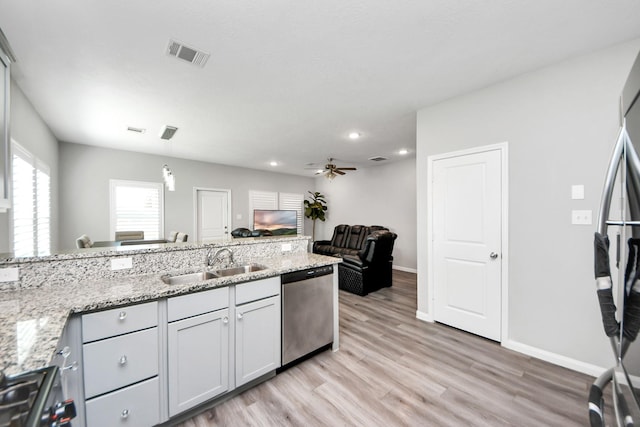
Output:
x,y
617,265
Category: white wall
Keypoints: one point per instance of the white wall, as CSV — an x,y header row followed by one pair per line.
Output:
x,y
378,195
560,123
85,172
30,131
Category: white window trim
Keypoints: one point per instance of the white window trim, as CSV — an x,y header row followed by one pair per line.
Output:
x,y
113,183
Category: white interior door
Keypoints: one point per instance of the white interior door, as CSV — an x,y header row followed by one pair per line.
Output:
x,y
467,226
213,211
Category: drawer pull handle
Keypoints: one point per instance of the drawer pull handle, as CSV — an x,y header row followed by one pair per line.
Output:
x,y
73,366
124,414
122,315
225,320
123,360
239,316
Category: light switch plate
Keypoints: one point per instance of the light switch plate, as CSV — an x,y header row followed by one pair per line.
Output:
x,y
577,192
121,263
581,217
11,274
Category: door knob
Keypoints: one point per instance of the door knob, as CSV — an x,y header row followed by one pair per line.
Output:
x,y
493,255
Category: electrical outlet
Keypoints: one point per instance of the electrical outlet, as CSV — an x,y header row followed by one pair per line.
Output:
x,y
581,217
121,263
9,274
286,247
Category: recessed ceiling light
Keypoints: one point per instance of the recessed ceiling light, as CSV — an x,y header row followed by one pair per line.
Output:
x,y
403,152
274,163
354,135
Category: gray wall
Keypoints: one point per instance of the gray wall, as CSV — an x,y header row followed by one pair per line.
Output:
x,y
561,123
85,172
29,130
381,195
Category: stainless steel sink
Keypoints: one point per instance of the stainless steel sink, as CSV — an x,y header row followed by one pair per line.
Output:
x,y
232,271
200,276
189,278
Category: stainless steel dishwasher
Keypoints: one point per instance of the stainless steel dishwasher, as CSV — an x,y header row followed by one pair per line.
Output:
x,y
307,312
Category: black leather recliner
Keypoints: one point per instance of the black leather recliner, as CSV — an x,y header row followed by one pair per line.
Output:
x,y
371,268
346,240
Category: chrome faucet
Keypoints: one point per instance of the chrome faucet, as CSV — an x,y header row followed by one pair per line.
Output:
x,y
218,258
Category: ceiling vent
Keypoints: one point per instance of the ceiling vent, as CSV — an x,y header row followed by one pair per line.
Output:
x,y
378,159
168,132
137,130
186,53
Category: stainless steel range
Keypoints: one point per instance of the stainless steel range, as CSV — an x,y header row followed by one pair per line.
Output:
x,y
34,399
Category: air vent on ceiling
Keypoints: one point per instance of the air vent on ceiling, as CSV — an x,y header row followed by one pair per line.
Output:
x,y
378,159
168,132
186,53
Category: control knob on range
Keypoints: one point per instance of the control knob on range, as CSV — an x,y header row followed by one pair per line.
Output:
x,y
59,415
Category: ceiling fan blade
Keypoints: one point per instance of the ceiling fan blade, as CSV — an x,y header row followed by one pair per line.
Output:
x,y
347,169
338,171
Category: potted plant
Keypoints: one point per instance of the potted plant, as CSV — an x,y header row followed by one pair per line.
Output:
x,y
315,208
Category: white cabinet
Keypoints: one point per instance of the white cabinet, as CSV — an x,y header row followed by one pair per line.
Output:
x,y
137,405
257,323
121,366
198,349
119,361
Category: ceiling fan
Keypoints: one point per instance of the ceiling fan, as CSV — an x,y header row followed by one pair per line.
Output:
x,y
331,170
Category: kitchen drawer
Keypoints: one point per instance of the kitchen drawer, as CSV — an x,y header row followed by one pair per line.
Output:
x,y
109,323
259,289
117,362
138,405
197,303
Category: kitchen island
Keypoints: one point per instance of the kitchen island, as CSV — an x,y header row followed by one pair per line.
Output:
x,y
178,345
34,312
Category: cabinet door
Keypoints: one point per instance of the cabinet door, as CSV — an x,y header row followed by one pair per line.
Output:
x,y
198,359
257,339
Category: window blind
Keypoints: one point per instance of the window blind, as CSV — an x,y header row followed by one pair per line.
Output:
x,y
31,204
275,200
292,202
137,206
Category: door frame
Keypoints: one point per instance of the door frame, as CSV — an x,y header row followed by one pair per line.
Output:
x,y
195,208
503,148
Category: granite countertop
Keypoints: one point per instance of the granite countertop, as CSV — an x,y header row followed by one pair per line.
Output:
x,y
98,252
32,320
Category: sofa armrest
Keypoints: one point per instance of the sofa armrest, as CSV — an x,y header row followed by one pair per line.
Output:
x,y
320,242
352,261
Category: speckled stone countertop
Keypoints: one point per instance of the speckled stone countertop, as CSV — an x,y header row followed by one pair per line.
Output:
x,y
32,319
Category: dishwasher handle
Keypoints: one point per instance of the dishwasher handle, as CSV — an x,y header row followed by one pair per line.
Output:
x,y
309,273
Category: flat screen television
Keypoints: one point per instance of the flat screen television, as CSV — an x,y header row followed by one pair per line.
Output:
x,y
279,222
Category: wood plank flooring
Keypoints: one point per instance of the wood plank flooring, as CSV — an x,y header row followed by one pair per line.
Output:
x,y
394,370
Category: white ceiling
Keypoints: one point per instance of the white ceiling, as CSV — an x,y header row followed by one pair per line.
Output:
x,y
287,80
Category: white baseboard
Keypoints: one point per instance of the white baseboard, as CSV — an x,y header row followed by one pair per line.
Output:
x,y
407,269
556,359
425,317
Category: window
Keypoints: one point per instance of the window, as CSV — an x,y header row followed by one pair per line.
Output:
x,y
274,200
31,204
137,206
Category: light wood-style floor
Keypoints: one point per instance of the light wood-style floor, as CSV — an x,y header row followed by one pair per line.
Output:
x,y
394,370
